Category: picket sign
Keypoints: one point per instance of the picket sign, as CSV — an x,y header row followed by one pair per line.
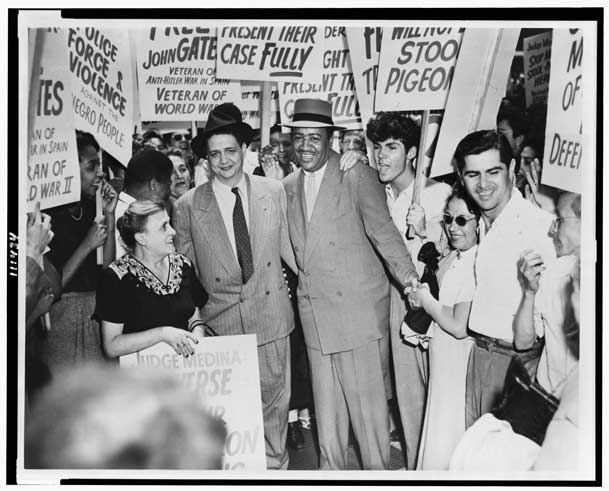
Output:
x,y
477,88
419,177
223,372
53,172
564,143
537,51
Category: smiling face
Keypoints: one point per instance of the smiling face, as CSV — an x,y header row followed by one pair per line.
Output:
x,y
180,179
181,140
157,237
488,181
90,178
311,147
282,147
225,157
463,237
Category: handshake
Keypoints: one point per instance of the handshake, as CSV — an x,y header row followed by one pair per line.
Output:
x,y
417,293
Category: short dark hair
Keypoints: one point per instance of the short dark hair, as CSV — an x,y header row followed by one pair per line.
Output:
x,y
515,117
146,165
395,125
152,134
480,141
276,128
84,140
458,192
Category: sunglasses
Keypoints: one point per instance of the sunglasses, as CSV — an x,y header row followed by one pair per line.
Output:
x,y
459,220
178,137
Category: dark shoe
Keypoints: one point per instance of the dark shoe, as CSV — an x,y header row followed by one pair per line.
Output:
x,y
295,437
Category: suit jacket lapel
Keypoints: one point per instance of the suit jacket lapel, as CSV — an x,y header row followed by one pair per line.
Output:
x,y
325,205
214,230
259,210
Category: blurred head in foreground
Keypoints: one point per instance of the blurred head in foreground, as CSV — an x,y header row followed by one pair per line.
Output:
x,y
112,418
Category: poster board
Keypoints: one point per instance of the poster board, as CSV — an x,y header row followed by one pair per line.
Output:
x,y
176,69
478,86
223,371
537,51
337,84
287,53
53,173
416,67
251,104
102,87
564,143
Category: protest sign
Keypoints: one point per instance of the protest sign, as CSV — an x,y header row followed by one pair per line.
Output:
x,y
364,49
277,53
53,173
250,104
563,150
102,87
177,74
537,51
336,86
224,373
478,86
416,67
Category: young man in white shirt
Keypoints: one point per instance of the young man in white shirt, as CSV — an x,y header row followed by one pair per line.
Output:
x,y
509,224
396,138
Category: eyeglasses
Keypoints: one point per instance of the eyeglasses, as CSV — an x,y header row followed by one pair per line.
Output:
x,y
459,220
178,136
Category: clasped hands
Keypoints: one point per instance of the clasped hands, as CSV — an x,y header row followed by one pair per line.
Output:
x,y
417,293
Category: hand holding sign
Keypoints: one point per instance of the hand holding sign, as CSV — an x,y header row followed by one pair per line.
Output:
x,y
39,233
180,340
416,219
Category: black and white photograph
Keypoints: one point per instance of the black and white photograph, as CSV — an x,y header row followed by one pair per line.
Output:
x,y
304,244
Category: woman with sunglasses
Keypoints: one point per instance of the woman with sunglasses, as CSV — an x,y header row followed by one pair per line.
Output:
x,y
449,346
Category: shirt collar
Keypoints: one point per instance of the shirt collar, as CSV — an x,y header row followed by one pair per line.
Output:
x,y
126,198
405,192
508,214
319,173
223,188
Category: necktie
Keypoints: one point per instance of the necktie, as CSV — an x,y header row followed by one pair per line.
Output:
x,y
310,194
242,239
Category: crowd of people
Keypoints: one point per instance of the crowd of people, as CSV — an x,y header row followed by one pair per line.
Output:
x,y
367,333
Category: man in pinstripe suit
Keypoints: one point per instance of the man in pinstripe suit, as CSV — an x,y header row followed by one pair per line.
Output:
x,y
234,230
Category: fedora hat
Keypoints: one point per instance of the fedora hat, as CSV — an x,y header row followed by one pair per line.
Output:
x,y
225,118
312,113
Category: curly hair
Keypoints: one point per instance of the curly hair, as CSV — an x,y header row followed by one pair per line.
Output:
x,y
395,125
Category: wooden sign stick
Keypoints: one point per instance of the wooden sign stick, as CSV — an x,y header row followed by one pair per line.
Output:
x,y
265,115
419,177
99,212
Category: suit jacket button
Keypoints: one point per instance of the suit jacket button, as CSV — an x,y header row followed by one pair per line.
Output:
x,y
218,280
332,243
339,294
269,264
241,300
268,292
296,248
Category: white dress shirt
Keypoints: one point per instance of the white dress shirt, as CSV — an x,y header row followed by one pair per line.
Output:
x,y
519,226
319,175
552,303
226,202
433,200
124,200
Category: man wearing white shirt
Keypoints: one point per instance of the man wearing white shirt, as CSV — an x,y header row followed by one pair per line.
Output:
x,y
396,137
234,230
148,176
509,224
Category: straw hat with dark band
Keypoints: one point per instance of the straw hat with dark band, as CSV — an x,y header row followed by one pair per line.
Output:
x,y
312,113
225,118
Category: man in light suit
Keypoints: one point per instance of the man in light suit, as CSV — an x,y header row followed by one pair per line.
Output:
x,y
338,224
234,230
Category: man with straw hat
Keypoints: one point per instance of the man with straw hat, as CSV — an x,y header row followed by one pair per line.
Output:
x,y
339,226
